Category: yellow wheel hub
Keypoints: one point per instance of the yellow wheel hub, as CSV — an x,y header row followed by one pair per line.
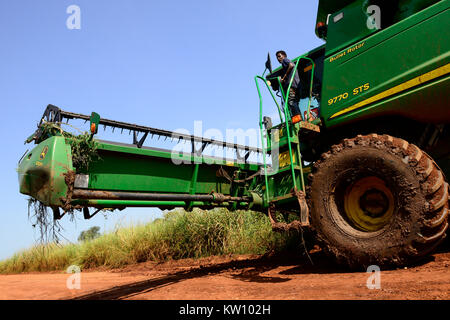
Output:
x,y
369,204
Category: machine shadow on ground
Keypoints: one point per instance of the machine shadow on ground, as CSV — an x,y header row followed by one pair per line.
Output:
x,y
249,270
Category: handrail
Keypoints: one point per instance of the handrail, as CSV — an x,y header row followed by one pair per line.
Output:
x,y
307,120
271,93
310,86
286,119
262,135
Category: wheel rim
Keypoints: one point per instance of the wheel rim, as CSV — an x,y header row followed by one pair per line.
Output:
x,y
369,204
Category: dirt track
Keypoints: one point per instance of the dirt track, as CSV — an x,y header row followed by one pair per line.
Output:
x,y
238,277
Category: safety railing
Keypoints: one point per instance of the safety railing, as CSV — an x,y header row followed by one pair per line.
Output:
x,y
286,120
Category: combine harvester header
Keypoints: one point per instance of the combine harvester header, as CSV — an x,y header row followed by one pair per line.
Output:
x,y
132,175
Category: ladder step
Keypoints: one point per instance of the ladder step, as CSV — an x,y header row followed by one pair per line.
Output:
x,y
283,198
309,126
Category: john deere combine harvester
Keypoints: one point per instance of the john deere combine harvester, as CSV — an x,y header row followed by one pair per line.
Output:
x,y
367,175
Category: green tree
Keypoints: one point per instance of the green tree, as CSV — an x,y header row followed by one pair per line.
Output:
x,y
89,234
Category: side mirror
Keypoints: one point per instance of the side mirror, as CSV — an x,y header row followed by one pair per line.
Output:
x,y
95,120
267,123
269,63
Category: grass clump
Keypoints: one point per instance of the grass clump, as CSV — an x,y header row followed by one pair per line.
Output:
x,y
179,234
83,146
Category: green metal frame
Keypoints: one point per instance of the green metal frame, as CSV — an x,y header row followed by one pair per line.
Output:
x,y
261,124
287,116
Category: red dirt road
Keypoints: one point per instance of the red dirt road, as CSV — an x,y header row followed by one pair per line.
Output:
x,y
238,277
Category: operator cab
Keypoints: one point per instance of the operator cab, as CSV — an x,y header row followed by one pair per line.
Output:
x,y
343,23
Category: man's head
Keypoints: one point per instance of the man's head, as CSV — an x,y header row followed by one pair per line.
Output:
x,y
281,55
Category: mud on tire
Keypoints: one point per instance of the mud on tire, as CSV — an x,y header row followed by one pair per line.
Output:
x,y
378,200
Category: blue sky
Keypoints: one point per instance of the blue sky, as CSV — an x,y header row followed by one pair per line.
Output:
x,y
163,64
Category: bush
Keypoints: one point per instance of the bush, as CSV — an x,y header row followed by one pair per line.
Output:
x,y
89,234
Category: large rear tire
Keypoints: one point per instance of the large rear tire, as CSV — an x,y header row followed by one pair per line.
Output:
x,y
378,200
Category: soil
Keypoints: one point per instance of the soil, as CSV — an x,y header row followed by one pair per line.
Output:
x,y
243,277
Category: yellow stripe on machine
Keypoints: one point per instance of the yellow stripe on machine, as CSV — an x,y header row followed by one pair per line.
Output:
x,y
436,73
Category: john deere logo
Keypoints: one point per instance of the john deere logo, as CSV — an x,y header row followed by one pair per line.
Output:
x,y
43,153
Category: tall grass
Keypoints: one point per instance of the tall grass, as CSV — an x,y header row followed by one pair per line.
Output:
x,y
177,235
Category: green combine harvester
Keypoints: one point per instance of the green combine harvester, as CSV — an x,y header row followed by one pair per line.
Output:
x,y
367,175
